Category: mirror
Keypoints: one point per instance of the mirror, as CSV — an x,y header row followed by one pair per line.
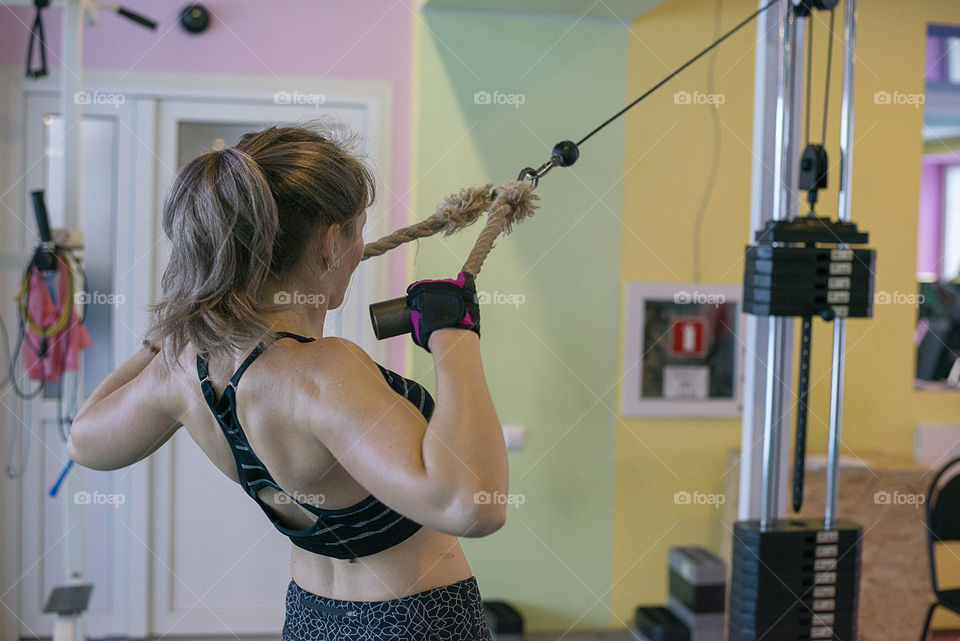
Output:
x,y
937,336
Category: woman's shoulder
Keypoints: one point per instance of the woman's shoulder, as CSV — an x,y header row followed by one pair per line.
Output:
x,y
328,348
331,359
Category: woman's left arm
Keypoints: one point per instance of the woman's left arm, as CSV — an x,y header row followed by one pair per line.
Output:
x,y
125,419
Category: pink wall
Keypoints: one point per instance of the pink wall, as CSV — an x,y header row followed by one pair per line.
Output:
x,y
930,231
368,40
936,60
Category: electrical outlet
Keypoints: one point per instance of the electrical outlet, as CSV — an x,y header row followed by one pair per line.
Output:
x,y
515,437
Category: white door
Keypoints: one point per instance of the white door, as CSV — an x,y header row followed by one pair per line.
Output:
x,y
219,566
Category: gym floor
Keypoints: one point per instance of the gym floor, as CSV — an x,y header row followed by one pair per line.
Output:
x,y
611,635
607,635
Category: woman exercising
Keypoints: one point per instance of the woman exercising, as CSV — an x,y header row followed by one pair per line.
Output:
x,y
369,478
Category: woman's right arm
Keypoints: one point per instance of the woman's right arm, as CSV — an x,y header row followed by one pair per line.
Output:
x,y
442,474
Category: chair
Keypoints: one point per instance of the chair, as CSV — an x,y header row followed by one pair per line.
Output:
x,y
943,526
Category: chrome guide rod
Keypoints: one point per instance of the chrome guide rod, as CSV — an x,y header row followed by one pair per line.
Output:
x,y
843,211
782,197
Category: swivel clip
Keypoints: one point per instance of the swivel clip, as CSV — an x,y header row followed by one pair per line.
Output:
x,y
564,154
534,175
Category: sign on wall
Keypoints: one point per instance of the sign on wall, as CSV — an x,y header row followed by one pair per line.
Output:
x,y
682,350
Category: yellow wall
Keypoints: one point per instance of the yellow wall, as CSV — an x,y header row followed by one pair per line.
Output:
x,y
668,155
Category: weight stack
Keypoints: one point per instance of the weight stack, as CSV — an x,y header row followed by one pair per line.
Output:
x,y
503,619
697,591
805,268
794,580
656,623
808,281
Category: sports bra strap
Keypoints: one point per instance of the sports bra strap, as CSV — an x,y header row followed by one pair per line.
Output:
x,y
204,373
302,339
235,379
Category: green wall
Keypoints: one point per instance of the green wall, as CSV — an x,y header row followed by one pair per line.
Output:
x,y
551,362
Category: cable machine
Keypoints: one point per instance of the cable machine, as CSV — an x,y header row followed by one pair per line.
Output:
x,y
797,578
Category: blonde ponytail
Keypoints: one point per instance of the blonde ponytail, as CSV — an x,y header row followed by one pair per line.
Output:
x,y
238,216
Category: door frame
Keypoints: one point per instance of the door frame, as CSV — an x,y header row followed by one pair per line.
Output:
x,y
126,610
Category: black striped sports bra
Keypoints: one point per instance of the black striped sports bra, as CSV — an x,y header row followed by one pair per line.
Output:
x,y
351,532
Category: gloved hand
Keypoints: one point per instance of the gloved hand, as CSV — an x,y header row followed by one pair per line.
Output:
x,y
438,304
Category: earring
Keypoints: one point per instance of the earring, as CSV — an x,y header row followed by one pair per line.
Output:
x,y
335,266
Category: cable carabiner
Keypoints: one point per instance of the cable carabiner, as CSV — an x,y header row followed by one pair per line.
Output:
x,y
564,154
534,175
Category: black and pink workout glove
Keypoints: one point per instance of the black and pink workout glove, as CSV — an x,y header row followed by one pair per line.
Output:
x,y
439,304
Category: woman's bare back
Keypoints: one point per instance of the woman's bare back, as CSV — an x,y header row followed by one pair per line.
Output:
x,y
267,399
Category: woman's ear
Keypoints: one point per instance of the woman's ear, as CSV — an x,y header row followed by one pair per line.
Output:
x,y
329,245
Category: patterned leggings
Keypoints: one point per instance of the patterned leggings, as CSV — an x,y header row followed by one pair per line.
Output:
x,y
450,613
